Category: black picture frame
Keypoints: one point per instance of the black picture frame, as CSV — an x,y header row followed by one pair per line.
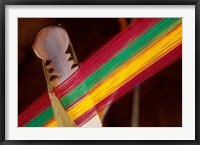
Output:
x,y
3,4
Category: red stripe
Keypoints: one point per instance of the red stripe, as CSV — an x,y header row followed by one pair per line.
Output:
x,y
96,60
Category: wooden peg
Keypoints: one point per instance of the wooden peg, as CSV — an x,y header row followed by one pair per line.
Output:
x,y
50,45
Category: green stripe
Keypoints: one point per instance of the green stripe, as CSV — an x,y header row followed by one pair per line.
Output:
x,y
41,119
162,28
93,80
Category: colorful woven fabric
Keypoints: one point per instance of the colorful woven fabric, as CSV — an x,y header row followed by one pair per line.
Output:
x,y
131,57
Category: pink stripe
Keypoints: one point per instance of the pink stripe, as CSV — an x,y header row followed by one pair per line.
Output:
x,y
108,51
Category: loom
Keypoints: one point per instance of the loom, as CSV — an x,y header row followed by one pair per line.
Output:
x,y
131,57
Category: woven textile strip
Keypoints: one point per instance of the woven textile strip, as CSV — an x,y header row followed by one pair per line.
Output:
x,y
127,60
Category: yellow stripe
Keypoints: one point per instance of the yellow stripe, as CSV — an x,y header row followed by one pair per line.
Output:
x,y
127,72
116,80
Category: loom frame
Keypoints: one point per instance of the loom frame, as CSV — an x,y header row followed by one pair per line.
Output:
x,y
3,4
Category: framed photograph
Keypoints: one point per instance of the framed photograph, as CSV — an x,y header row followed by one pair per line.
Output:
x,y
79,72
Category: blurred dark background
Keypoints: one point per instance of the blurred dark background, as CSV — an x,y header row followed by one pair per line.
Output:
x,y
160,97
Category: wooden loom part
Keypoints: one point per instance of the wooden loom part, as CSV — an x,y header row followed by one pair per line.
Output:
x,y
52,45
